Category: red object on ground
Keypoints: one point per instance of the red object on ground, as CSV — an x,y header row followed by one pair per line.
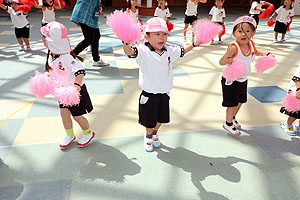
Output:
x,y
211,164
271,22
170,26
24,8
223,30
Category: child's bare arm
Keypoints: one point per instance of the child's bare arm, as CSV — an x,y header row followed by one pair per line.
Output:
x,y
36,5
210,17
261,52
59,5
4,7
298,91
202,1
78,81
128,50
227,58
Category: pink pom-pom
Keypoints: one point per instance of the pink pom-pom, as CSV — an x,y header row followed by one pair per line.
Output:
x,y
41,84
265,62
234,71
206,30
291,103
124,26
24,8
68,96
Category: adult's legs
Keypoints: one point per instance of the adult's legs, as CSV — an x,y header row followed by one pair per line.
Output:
x,y
88,38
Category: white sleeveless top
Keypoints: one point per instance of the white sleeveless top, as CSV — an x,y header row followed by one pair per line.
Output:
x,y
134,14
191,7
48,14
245,57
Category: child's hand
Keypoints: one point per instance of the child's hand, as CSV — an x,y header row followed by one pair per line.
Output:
x,y
229,61
78,88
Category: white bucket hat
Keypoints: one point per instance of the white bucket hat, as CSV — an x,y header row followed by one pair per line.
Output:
x,y
246,19
56,38
156,24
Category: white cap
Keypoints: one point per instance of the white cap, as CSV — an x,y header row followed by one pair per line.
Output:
x,y
246,19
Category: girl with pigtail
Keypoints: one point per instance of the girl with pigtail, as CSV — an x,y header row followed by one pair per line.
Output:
x,y
48,10
133,10
65,70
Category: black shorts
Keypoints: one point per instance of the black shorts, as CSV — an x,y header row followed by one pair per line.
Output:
x,y
44,24
234,94
22,32
255,17
153,108
219,23
280,27
291,114
190,19
85,105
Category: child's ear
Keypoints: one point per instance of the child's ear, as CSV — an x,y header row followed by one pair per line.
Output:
x,y
146,36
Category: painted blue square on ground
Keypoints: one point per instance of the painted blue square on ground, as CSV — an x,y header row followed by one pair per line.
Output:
x,y
267,94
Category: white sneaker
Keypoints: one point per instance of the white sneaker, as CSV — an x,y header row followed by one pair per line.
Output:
x,y
275,40
156,142
231,129
212,43
184,39
289,131
282,40
220,42
85,139
148,144
236,124
89,49
99,63
28,48
21,48
66,142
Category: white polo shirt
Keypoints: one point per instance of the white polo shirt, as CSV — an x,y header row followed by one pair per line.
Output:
x,y
191,8
48,14
255,4
283,15
217,14
17,18
155,69
164,14
65,69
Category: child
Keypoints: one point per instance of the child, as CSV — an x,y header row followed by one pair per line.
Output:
x,y
134,11
217,14
191,15
243,49
285,15
155,60
20,23
287,126
65,70
162,11
48,10
256,9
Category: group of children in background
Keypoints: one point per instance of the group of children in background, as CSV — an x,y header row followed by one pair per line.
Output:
x,y
155,61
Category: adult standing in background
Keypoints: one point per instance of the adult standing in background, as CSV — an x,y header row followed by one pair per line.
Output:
x,y
86,14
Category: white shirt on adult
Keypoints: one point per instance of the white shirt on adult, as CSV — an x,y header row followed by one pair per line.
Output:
x,y
255,4
283,15
155,69
164,14
17,18
217,14
191,8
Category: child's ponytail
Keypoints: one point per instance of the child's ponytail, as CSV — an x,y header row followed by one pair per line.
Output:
x,y
75,56
47,67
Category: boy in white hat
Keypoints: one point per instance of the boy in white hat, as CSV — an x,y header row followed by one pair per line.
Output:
x,y
155,60
21,24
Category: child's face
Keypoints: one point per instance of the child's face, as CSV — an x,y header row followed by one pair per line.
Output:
x,y
14,6
219,3
161,2
50,2
243,33
157,40
287,3
133,3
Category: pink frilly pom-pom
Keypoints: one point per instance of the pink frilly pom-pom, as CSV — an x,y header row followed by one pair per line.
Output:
x,y
124,26
205,30
234,71
265,62
41,84
291,103
68,95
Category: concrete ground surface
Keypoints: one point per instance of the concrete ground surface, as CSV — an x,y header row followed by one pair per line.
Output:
x,y
197,158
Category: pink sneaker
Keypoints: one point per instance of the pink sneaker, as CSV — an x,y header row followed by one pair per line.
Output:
x,y
231,129
236,124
